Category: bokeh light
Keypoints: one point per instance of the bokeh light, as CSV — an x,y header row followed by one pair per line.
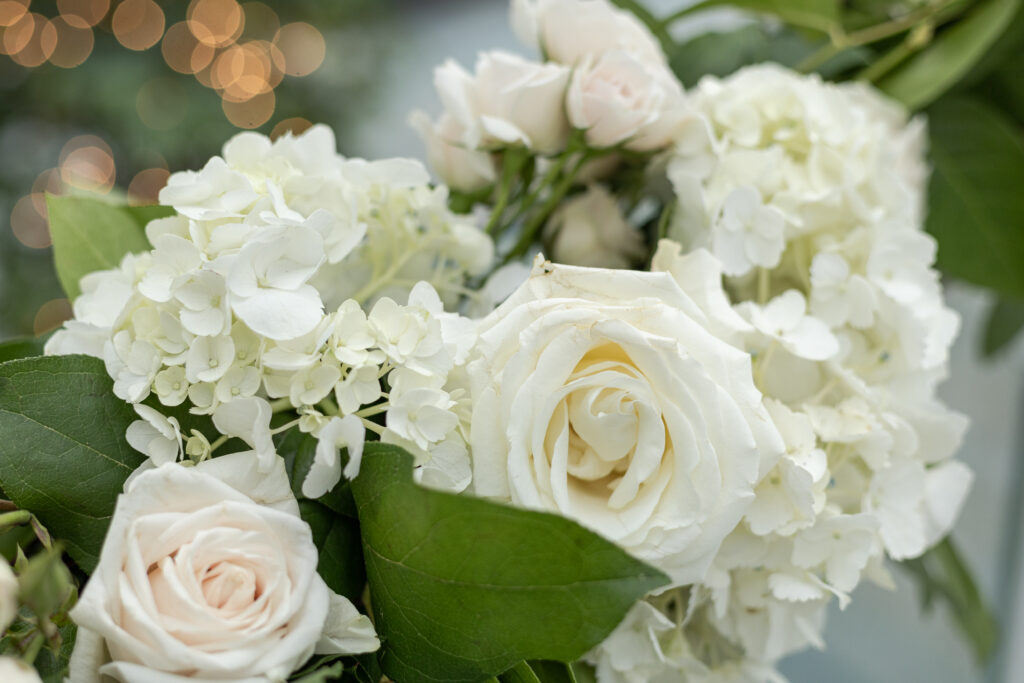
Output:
x,y
216,23
87,163
244,71
48,182
74,43
162,103
29,223
33,40
83,13
146,185
138,24
295,126
12,10
303,48
51,315
261,22
251,113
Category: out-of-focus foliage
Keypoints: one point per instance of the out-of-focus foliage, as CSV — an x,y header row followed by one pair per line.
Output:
x,y
136,118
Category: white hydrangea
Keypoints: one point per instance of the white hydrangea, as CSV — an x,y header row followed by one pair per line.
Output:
x,y
811,194
251,301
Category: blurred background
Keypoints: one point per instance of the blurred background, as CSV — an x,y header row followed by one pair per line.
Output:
x,y
110,96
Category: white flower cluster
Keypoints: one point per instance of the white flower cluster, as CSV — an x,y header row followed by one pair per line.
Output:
x,y
228,309
811,196
607,77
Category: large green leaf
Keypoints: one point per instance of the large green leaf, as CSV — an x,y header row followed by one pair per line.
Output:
x,y
341,552
63,454
937,68
90,234
1005,321
20,348
976,204
462,589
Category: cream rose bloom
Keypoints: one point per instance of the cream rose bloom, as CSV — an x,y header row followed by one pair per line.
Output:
x,y
590,230
507,101
615,398
209,574
16,671
619,98
570,30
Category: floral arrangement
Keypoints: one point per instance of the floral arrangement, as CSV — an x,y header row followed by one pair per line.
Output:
x,y
318,418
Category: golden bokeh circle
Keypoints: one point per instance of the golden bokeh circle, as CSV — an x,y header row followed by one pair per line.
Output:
x,y
216,23
83,13
303,48
146,185
12,10
295,126
33,40
251,113
178,46
52,315
74,43
138,24
87,163
29,224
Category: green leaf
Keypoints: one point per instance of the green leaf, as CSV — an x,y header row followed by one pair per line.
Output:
x,y
943,576
1005,320
323,675
20,348
817,15
63,454
53,666
519,673
90,234
341,552
720,54
553,672
462,588
584,672
976,206
938,67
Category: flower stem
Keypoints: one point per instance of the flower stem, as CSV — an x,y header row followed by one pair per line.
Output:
x,y
512,163
530,229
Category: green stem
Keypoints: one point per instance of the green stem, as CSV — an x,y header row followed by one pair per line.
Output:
x,y
15,518
281,405
840,41
512,163
538,219
34,647
223,439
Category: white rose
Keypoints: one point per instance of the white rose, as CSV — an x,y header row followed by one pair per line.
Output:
x,y
8,596
603,395
208,573
467,170
569,30
618,98
16,671
589,230
508,101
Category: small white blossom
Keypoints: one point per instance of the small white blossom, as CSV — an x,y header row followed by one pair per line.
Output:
x,y
155,435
